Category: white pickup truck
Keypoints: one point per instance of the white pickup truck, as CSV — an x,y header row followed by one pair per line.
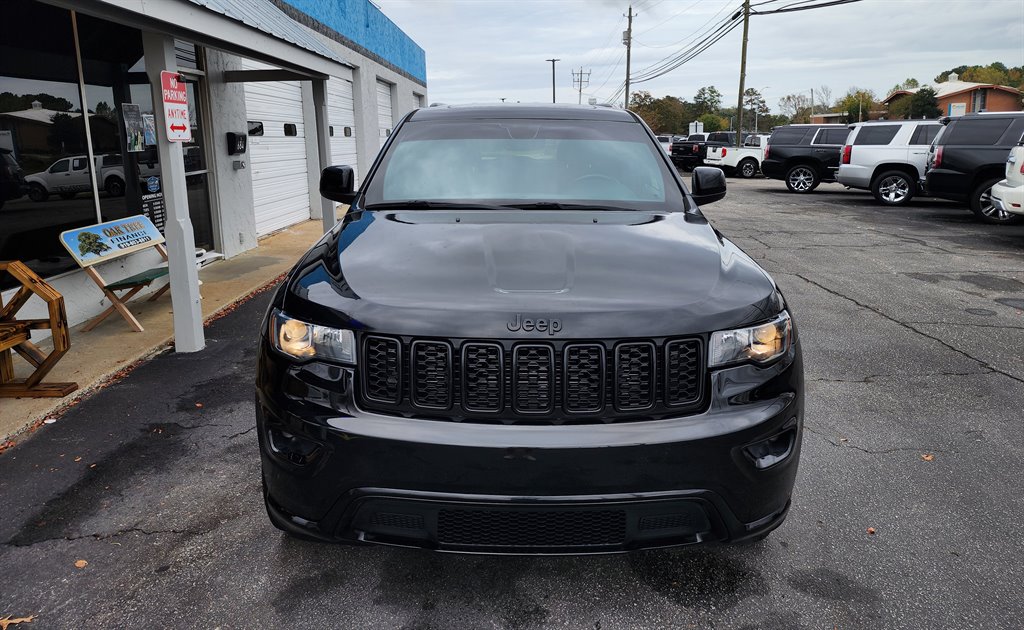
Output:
x,y
744,161
69,176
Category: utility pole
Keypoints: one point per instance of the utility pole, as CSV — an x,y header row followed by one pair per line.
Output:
x,y
579,81
812,106
553,78
743,73
627,39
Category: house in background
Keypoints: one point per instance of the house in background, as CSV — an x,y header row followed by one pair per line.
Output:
x,y
958,97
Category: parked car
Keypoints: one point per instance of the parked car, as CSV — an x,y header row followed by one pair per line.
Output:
x,y
69,176
969,156
744,161
804,155
887,157
1008,195
691,152
666,143
602,373
12,180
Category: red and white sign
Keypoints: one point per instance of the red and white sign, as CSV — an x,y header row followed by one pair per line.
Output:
x,y
175,98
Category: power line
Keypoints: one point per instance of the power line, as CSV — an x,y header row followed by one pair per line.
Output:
x,y
789,8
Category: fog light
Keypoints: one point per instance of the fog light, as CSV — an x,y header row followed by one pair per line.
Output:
x,y
292,448
767,453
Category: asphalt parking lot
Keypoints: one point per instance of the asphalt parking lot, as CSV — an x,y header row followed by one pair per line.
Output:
x,y
908,509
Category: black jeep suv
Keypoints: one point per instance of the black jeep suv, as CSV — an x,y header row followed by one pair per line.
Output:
x,y
969,156
524,337
804,155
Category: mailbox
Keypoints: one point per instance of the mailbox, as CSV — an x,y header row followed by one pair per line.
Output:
x,y
236,143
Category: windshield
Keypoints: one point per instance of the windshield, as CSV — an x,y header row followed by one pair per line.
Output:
x,y
525,162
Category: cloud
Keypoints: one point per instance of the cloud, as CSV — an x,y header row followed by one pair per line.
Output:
x,y
483,50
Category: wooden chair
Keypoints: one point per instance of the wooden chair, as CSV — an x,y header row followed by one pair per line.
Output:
x,y
102,242
15,334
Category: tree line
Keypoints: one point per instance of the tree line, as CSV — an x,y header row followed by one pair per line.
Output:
x,y
672,114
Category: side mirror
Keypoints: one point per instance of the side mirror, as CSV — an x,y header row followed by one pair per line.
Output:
x,y
708,185
337,183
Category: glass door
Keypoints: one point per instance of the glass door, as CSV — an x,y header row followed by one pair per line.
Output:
x,y
197,174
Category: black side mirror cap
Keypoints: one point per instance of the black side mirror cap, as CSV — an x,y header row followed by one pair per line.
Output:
x,y
337,183
708,185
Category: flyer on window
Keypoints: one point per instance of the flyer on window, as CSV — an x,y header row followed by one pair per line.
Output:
x,y
134,127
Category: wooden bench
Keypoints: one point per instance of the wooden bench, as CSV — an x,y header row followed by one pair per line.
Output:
x,y
102,242
16,335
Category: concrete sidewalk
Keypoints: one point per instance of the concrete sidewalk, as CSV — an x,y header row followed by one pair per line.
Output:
x,y
97,356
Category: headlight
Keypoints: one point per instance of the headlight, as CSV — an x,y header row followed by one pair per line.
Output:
x,y
759,344
306,341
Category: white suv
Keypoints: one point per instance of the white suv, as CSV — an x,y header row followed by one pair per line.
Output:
x,y
1008,195
887,157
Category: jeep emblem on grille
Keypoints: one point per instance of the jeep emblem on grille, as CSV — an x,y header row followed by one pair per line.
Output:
x,y
550,326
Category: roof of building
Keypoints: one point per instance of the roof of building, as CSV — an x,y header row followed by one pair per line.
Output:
x,y
264,16
949,88
38,114
524,110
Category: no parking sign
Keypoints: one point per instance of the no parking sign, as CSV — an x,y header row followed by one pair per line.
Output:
x,y
175,98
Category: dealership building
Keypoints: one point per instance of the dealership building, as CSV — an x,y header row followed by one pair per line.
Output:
x,y
276,90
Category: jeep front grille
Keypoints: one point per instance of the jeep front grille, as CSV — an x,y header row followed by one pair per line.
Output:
x,y
531,382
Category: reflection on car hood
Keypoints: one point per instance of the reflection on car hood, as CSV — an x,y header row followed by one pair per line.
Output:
x,y
466,273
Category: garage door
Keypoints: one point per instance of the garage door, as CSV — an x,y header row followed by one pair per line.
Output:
x,y
386,122
277,158
341,114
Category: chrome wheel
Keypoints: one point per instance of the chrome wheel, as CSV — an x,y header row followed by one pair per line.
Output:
x,y
801,179
748,169
990,209
987,211
894,189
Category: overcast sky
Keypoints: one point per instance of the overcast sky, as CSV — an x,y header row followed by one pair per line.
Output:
x,y
484,50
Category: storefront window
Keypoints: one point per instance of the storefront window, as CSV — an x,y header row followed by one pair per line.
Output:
x,y
46,182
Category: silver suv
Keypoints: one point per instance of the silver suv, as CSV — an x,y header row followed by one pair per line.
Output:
x,y
887,157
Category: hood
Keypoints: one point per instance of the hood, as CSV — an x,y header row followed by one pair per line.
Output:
x,y
474,273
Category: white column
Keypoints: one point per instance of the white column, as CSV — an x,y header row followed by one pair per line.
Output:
x,y
323,142
181,242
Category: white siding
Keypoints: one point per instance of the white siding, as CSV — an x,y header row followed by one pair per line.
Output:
x,y
386,121
279,183
341,114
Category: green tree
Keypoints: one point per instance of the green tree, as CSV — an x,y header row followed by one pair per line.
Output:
x,y
712,122
67,134
708,100
908,84
857,103
922,104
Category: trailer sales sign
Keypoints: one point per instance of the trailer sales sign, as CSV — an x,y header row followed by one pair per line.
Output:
x,y
175,98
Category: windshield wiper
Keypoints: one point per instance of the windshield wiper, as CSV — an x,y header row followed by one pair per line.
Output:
x,y
555,205
421,204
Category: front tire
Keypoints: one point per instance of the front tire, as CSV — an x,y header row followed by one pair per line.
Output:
x,y
37,193
747,168
893,188
802,179
985,210
115,187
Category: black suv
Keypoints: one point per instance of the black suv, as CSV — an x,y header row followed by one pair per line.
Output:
x,y
804,155
969,156
690,153
524,337
12,178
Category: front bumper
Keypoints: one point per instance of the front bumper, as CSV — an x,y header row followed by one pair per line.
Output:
x,y
337,473
1008,198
